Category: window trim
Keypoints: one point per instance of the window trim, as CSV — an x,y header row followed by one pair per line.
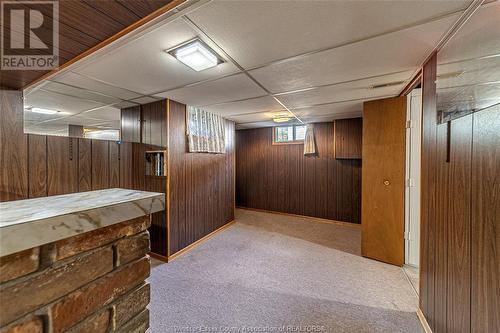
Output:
x,y
294,142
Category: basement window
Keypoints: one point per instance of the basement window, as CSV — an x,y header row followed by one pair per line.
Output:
x,y
289,134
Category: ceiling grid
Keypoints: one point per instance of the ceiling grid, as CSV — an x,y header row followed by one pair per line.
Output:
x,y
278,59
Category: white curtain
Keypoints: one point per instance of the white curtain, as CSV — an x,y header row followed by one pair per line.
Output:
x,y
205,131
309,144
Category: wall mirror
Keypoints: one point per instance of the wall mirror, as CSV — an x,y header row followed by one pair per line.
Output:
x,y
77,106
468,71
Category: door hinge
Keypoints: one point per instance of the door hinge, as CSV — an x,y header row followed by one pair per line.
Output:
x,y
409,124
407,235
409,182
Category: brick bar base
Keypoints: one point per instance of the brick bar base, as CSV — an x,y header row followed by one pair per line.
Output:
x,y
93,282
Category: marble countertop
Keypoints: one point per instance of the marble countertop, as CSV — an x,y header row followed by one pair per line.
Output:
x,y
33,222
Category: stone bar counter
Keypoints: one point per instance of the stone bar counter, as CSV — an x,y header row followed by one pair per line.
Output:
x,y
76,262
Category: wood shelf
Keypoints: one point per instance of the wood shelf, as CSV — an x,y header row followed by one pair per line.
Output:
x,y
152,167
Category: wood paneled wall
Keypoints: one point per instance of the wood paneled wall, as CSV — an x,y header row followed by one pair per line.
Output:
x,y
460,217
280,178
348,138
13,147
130,124
154,123
61,165
201,185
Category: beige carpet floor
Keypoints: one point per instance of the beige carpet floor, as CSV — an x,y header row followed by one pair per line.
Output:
x,y
276,273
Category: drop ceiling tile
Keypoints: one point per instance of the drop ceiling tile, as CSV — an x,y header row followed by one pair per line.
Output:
x,y
354,107
85,94
361,89
33,118
328,118
255,105
76,80
48,129
268,26
145,100
258,124
125,104
399,51
142,65
479,36
257,117
105,113
62,103
230,88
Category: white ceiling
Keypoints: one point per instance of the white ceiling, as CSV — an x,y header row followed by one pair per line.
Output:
x,y
332,52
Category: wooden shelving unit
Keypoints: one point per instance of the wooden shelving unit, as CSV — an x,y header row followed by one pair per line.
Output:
x,y
156,163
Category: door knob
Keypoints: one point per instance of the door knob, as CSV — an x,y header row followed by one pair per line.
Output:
x,y
387,183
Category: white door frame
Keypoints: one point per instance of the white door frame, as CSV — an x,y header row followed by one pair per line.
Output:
x,y
412,176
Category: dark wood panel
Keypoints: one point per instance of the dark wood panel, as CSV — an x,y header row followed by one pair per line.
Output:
x,y
486,221
459,288
158,229
114,164
348,134
428,190
177,177
126,165
62,165
201,186
154,123
382,197
104,19
441,226
280,178
84,165
130,122
458,235
13,147
100,164
138,166
37,161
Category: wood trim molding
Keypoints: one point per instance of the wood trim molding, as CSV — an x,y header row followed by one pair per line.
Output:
x,y
412,84
310,218
423,321
157,13
168,178
158,256
193,245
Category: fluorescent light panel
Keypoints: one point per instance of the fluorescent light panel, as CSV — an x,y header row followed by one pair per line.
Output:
x,y
196,55
43,111
281,119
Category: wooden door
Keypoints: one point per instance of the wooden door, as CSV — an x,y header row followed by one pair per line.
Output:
x,y
382,194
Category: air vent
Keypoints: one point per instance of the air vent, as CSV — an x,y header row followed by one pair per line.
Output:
x,y
385,85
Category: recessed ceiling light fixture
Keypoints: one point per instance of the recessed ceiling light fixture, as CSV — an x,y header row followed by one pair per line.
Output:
x,y
43,111
196,55
281,119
